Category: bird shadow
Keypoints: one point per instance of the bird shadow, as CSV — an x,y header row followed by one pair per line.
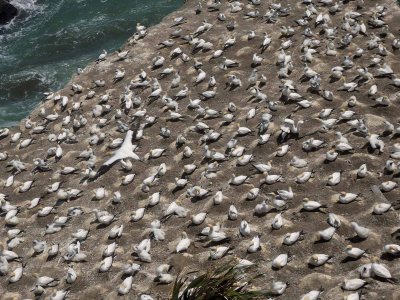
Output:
x,y
177,189
312,267
233,87
377,105
59,202
304,79
156,67
35,254
386,133
101,226
395,136
198,199
205,160
370,149
216,243
51,257
389,257
356,239
315,210
396,234
124,276
224,124
348,259
259,215
312,91
321,241
397,175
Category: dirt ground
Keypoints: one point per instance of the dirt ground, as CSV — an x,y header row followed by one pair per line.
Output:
x,y
301,278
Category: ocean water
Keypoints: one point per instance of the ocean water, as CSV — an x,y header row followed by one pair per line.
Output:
x,y
50,39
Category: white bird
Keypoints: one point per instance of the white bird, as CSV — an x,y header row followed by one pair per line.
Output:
x,y
291,238
361,231
327,234
353,284
354,252
280,261
312,295
362,171
125,286
346,198
277,222
380,270
102,56
106,264
217,235
286,194
392,249
104,217
184,243
318,259
244,228
125,151
219,252
71,275
232,213
116,232
310,205
255,245
46,281
333,220
381,208
388,186
199,218
110,249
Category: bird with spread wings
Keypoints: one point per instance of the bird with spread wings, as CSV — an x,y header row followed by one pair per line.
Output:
x,y
127,150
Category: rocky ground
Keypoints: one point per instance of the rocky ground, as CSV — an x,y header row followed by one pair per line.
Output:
x,y
7,12
261,112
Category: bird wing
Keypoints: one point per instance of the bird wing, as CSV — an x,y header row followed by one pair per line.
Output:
x,y
113,159
133,155
107,165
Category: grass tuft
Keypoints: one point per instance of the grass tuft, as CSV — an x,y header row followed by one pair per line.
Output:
x,y
226,282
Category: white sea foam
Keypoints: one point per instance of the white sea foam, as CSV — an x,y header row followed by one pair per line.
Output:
x,y
25,5
26,10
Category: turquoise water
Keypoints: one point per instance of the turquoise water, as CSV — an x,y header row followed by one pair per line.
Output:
x,y
44,46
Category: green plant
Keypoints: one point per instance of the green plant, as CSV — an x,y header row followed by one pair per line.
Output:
x,y
227,282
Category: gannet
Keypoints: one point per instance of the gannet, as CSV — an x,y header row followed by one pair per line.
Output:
x,y
102,56
125,286
354,252
353,284
125,151
392,249
381,208
184,243
255,244
280,261
361,231
312,295
16,275
318,259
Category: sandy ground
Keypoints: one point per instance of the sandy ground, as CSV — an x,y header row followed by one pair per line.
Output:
x,y
301,278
